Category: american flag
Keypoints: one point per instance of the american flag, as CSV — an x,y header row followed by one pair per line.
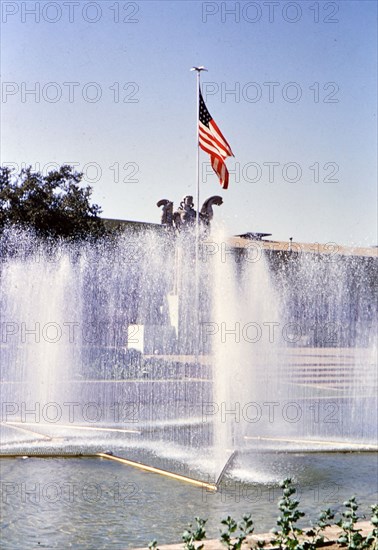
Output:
x,y
213,142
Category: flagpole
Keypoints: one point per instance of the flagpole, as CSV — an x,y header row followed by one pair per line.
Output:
x,y
198,71
198,156
196,302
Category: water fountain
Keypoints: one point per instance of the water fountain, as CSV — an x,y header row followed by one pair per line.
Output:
x,y
101,348
296,352
101,351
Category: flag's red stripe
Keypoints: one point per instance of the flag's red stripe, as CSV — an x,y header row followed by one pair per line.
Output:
x,y
212,141
225,143
221,147
220,169
208,146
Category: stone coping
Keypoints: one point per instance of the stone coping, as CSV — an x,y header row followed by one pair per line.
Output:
x,y
331,535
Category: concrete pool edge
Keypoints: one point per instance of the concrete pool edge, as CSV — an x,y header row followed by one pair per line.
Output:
x,y
331,533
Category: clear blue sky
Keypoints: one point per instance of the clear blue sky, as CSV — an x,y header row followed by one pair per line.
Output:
x,y
321,53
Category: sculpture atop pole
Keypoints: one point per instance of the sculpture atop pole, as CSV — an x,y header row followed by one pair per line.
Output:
x,y
185,216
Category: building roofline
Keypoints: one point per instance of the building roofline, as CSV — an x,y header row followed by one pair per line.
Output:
x,y
237,241
330,248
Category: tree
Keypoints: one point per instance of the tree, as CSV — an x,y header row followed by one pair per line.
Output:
x,y
55,205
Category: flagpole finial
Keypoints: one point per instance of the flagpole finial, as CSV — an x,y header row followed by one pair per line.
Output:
x,y
199,69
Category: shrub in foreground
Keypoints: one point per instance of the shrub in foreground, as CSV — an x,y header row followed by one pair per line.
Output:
x,y
287,535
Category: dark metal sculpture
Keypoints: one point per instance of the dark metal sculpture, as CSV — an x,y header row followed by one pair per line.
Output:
x,y
207,213
185,216
167,214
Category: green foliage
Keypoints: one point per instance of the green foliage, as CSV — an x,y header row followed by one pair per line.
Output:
x,y
372,538
230,538
190,537
315,537
55,205
289,536
350,537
